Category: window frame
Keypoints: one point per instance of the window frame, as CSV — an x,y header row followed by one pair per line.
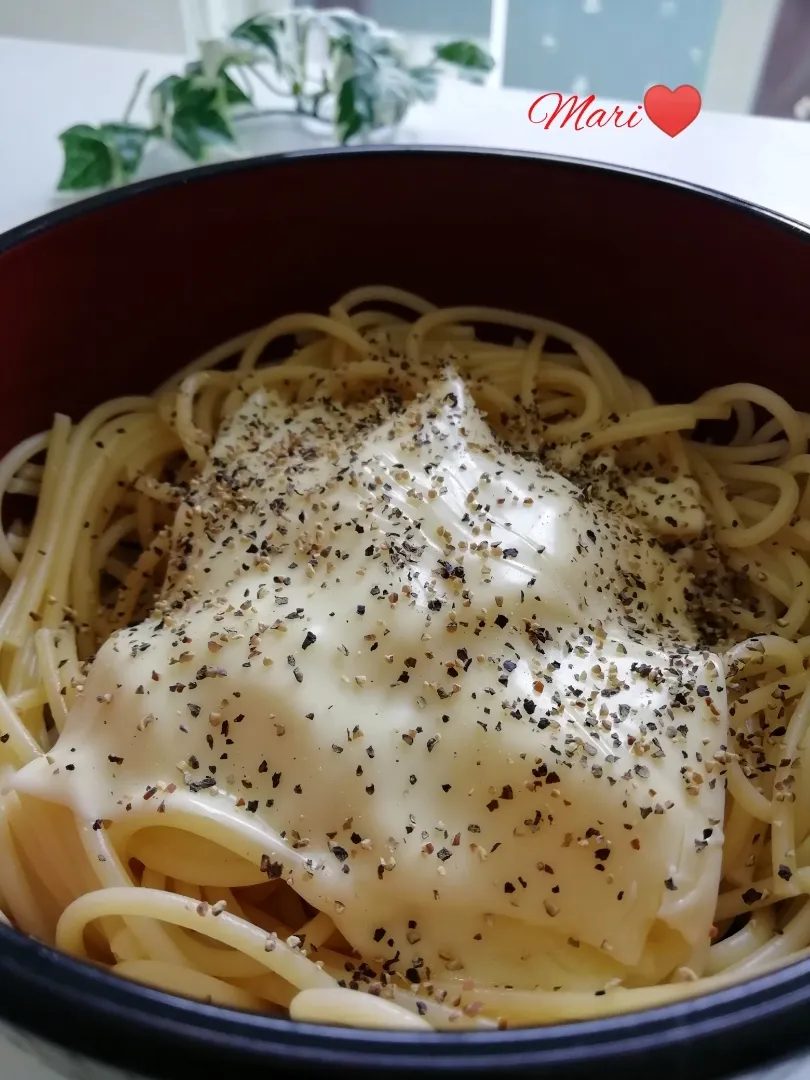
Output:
x,y
740,49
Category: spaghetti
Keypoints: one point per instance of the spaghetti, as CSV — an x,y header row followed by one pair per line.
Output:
x,y
433,677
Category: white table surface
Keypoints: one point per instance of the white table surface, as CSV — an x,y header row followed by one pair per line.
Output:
x,y
45,87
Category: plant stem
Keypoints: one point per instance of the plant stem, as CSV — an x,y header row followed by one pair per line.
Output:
x,y
303,41
136,93
256,113
316,103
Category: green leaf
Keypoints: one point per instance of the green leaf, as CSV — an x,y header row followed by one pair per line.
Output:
x,y
465,55
187,137
89,161
98,157
193,112
425,82
393,91
262,32
355,79
376,86
198,119
355,108
127,142
234,94
163,92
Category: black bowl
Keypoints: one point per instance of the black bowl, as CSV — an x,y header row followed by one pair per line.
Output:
x,y
686,289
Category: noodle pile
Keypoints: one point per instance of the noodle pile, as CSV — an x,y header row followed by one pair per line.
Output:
x,y
92,556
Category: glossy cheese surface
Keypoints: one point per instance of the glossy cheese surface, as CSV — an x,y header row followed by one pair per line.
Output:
x,y
462,700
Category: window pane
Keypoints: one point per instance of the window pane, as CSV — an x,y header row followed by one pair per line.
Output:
x,y
454,18
615,48
457,18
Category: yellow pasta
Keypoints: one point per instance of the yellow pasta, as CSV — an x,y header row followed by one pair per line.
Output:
x,y
195,890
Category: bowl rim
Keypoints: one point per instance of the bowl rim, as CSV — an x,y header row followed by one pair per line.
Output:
x,y
92,1012
83,205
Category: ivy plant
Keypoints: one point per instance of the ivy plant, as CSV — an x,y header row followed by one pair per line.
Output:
x,y
331,65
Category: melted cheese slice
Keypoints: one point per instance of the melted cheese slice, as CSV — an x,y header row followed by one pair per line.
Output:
x,y
456,699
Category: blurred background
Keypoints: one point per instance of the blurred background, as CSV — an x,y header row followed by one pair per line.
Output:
x,y
97,93
745,56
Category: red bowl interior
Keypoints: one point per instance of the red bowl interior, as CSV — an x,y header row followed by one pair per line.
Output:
x,y
685,292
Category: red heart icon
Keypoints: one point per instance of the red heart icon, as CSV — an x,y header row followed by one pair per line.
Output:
x,y
672,110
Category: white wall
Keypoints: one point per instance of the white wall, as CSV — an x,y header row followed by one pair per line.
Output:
x,y
150,25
